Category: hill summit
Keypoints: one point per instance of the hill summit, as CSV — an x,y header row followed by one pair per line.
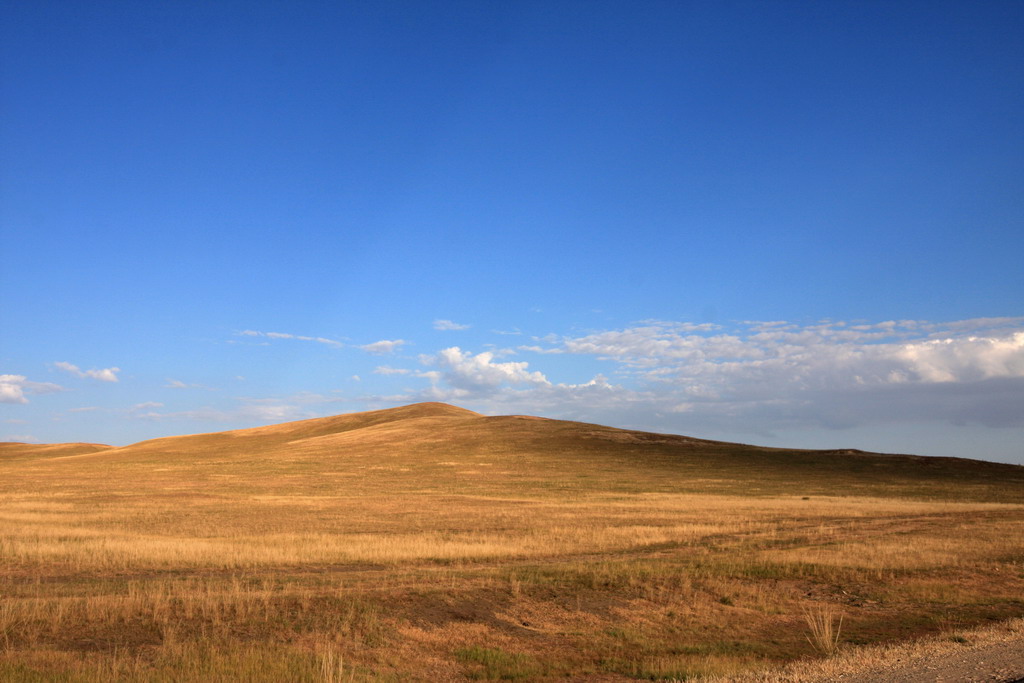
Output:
x,y
438,446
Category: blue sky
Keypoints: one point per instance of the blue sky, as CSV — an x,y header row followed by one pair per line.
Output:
x,y
785,223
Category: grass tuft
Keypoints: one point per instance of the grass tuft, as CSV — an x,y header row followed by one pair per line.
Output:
x,y
825,629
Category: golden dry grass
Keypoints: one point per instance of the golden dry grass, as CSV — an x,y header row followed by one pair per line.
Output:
x,y
431,543
893,662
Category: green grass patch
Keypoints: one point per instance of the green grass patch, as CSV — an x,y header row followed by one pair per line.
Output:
x,y
493,664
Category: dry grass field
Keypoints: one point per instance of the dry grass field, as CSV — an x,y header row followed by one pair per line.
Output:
x,y
429,543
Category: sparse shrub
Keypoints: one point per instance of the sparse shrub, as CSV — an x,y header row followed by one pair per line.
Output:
x,y
824,636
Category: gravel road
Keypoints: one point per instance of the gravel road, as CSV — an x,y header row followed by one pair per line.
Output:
x,y
1002,662
989,654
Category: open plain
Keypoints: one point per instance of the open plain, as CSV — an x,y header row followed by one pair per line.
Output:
x,y
432,543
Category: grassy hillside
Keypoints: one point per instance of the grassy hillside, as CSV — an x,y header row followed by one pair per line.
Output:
x,y
11,451
432,543
437,447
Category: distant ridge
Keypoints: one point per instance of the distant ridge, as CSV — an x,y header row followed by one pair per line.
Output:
x,y
319,426
422,437
17,449
256,439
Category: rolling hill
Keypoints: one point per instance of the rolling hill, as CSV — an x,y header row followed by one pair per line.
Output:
x,y
433,543
400,445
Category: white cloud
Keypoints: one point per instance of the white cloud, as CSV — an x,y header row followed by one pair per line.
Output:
x,y
250,410
479,373
540,349
103,375
14,387
827,373
823,355
447,325
483,385
388,370
147,410
178,384
958,360
383,346
273,412
757,377
284,335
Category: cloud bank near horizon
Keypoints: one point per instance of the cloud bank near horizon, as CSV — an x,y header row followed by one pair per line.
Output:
x,y
761,375
718,381
752,376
